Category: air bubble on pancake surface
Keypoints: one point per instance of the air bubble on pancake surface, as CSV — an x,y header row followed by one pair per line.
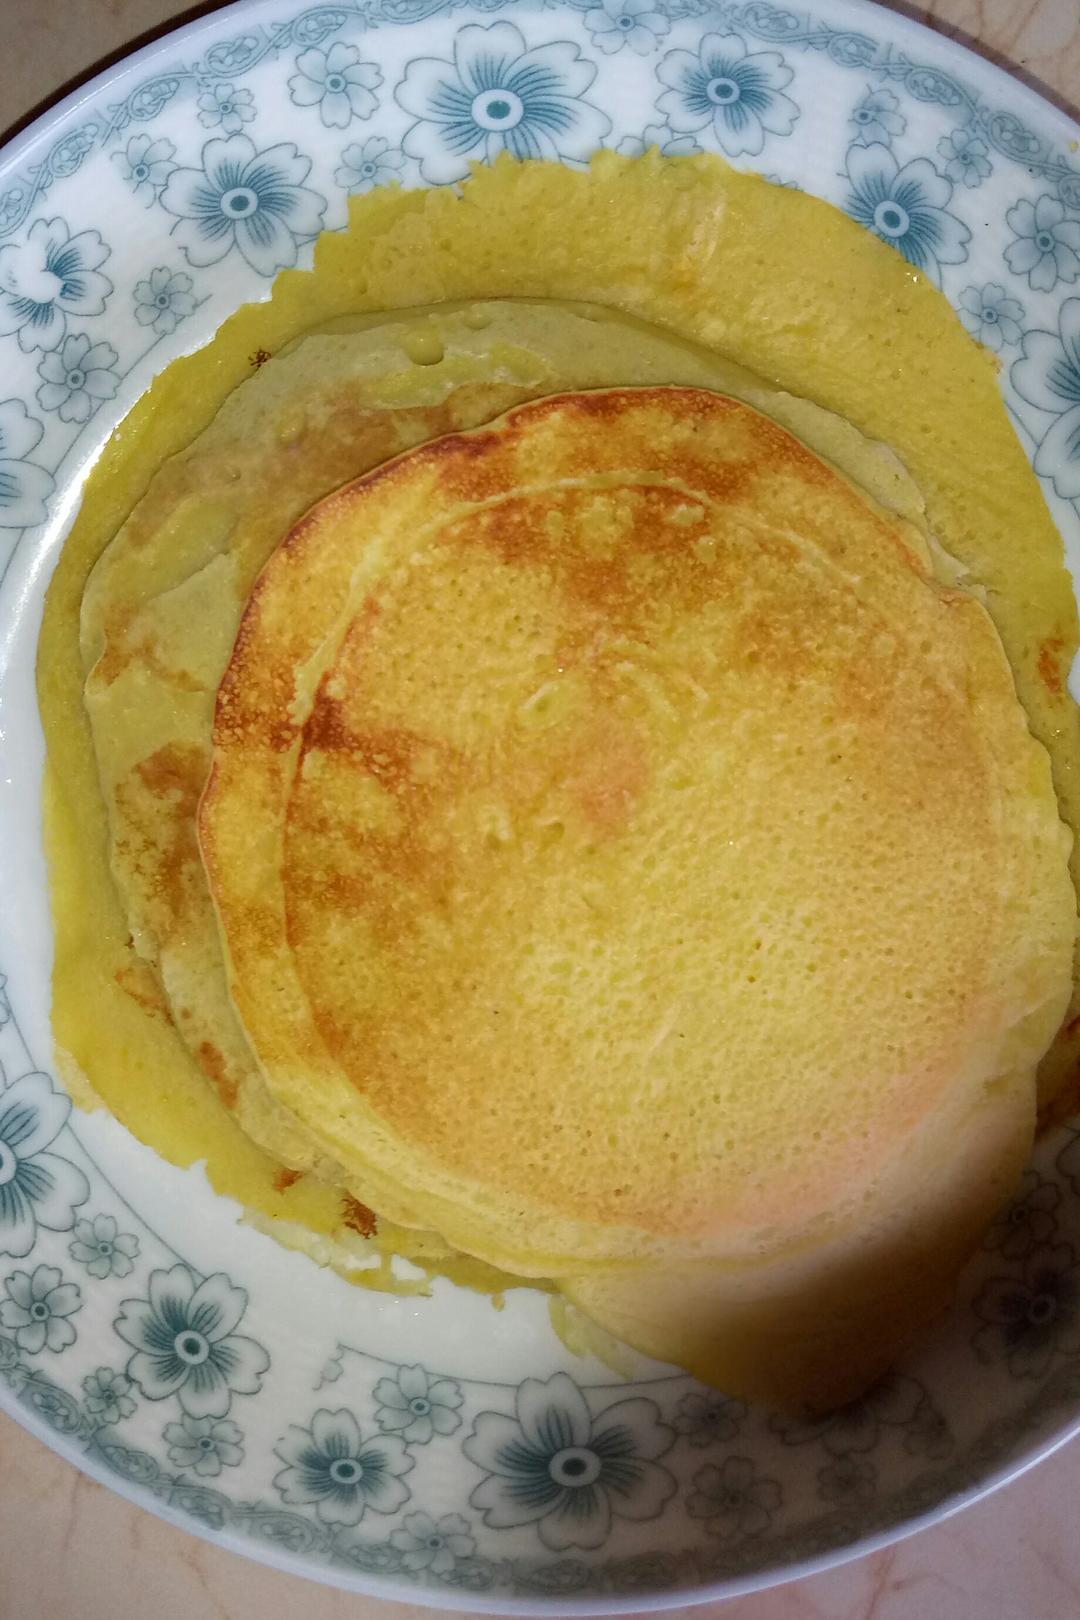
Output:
x,y
424,345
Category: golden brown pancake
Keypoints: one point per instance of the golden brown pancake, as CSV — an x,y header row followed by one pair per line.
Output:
x,y
590,778
161,607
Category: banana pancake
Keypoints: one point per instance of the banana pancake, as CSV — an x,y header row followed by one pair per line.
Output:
x,y
590,778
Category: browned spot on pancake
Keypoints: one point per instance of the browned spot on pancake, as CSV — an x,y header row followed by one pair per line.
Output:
x,y
607,774
121,649
1050,665
138,980
213,1065
286,1179
619,552
468,471
390,756
178,768
393,864
157,802
357,1217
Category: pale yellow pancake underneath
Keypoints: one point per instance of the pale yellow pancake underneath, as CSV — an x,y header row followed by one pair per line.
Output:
x,y
626,850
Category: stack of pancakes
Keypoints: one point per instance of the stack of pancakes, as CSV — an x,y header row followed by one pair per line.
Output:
x,y
569,797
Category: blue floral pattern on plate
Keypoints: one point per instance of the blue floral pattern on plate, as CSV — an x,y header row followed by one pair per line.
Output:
x,y
417,1406
38,1188
24,486
331,1466
46,278
337,82
906,207
556,1466
1048,378
76,377
39,1307
496,95
735,93
254,201
370,163
1047,245
131,225
617,25
185,1344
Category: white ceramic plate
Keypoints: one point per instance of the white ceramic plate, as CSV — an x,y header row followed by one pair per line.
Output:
x,y
437,1449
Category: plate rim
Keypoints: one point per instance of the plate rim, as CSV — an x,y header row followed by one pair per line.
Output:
x,y
46,126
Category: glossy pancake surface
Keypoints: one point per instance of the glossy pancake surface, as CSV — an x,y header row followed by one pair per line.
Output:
x,y
581,789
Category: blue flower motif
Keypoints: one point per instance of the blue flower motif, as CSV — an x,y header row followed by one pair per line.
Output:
x,y
185,1345
1048,377
370,163
103,1250
36,1188
107,1397
556,1466
738,94
337,82
24,491
243,198
733,1500
426,1544
417,1406
661,136
877,118
706,1417
77,377
966,160
332,1466
990,315
164,299
205,1444
38,1307
1030,1319
51,276
146,164
615,23
223,106
1047,249
497,96
905,207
